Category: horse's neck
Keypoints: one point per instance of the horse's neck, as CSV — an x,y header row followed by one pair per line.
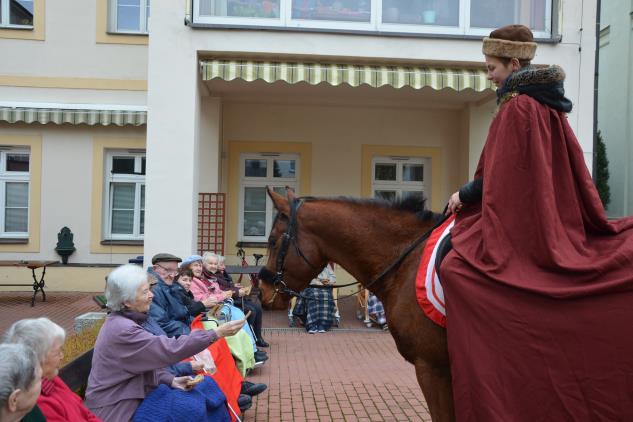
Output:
x,y
365,241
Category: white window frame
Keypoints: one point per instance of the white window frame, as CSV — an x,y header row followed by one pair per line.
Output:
x,y
374,25
399,185
109,178
270,181
16,177
5,16
112,18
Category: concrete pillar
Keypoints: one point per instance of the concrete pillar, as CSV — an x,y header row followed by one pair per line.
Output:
x,y
172,134
210,144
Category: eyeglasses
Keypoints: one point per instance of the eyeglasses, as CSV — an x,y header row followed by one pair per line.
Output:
x,y
167,270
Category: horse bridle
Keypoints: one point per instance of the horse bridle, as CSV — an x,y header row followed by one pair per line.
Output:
x,y
290,236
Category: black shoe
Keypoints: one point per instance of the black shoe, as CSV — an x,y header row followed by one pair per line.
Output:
x,y
260,356
244,402
252,389
261,343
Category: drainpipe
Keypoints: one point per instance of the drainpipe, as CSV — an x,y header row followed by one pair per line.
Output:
x,y
595,92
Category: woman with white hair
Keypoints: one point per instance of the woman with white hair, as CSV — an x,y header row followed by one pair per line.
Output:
x,y
20,376
57,402
214,269
129,362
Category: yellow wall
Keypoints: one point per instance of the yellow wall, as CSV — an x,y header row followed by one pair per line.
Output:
x,y
38,31
58,278
239,147
99,147
75,83
435,154
35,186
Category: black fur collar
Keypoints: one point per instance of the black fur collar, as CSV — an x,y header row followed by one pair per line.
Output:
x,y
544,84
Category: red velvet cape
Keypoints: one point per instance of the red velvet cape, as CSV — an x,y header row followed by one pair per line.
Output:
x,y
539,286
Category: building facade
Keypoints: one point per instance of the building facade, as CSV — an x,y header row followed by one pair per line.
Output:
x,y
615,101
147,128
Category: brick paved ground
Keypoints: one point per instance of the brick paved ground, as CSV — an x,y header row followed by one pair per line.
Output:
x,y
59,307
349,374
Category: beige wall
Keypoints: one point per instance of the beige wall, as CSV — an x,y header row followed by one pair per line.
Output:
x,y
64,279
338,133
69,48
66,189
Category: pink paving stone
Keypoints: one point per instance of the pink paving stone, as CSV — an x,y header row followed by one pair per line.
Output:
x,y
340,368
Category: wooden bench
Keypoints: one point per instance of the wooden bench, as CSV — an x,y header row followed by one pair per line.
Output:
x,y
75,374
37,285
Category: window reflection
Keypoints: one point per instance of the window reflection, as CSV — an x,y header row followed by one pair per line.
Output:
x,y
332,10
498,13
240,8
21,12
421,12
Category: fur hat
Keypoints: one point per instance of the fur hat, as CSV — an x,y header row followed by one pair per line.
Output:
x,y
511,41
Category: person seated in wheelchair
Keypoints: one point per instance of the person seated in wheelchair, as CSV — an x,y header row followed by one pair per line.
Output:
x,y
316,307
376,311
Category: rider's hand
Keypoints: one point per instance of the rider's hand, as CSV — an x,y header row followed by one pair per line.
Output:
x,y
197,365
228,294
454,204
242,292
230,328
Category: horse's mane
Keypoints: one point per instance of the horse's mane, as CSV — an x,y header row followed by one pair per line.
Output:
x,y
415,204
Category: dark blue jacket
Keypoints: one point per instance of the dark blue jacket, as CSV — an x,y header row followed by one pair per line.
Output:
x,y
172,316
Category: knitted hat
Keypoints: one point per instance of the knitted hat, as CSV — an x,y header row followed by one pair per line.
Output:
x,y
511,41
190,259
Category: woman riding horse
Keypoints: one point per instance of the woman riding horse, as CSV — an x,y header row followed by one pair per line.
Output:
x,y
538,287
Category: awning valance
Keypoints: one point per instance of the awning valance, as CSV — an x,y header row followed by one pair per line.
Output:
x,y
75,114
355,75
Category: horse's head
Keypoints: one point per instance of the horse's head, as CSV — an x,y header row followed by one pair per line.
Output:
x,y
294,258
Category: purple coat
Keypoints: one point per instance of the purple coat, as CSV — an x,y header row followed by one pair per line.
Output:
x,y
129,362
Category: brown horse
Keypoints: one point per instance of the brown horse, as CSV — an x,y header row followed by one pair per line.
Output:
x,y
364,237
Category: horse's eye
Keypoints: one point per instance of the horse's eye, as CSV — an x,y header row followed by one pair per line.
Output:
x,y
271,242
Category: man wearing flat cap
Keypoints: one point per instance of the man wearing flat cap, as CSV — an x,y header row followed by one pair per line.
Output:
x,y
538,285
166,309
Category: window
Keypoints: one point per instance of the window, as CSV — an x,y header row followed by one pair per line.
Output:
x,y
451,17
129,16
258,171
14,192
16,13
397,177
124,195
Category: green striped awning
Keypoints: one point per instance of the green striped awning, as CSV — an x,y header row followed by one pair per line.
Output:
x,y
354,75
73,114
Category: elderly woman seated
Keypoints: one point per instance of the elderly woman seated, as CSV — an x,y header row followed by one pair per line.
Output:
x,y
57,402
203,289
20,382
129,362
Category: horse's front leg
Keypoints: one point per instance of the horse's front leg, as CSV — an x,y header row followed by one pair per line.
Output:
x,y
438,391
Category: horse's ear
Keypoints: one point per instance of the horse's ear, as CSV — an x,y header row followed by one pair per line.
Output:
x,y
279,202
290,192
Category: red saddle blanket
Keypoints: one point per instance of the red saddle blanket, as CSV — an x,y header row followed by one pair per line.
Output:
x,y
428,289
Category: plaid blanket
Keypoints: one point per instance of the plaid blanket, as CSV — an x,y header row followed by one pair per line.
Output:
x,y
374,307
317,309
